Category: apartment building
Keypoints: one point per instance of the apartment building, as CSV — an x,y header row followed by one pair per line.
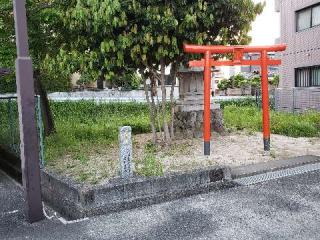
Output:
x,y
299,87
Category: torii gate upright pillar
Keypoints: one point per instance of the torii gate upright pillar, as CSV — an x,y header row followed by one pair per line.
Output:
x,y
206,111
265,100
238,52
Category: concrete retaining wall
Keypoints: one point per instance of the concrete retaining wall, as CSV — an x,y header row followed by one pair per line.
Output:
x,y
107,95
76,201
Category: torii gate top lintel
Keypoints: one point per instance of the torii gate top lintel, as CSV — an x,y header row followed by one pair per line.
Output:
x,y
238,53
189,48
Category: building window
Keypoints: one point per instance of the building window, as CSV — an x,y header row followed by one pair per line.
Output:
x,y
308,77
316,16
308,17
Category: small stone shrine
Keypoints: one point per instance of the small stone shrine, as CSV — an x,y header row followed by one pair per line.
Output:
x,y
189,107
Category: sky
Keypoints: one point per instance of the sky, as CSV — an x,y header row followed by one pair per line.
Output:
x,y
266,27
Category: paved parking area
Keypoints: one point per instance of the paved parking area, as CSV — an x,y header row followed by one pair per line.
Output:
x,y
11,196
287,208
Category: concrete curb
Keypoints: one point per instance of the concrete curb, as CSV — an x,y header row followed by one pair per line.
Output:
x,y
74,201
249,170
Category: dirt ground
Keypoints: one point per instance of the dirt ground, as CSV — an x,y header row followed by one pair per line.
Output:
x,y
232,149
238,149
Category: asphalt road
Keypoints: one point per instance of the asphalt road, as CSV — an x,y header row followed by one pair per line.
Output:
x,y
287,208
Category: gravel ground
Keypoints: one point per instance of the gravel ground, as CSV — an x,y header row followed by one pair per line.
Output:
x,y
234,149
238,149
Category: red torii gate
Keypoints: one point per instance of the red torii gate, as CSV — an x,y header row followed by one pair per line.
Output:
x,y
238,52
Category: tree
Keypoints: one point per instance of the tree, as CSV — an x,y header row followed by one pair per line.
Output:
x,y
274,81
111,37
239,81
256,81
236,81
45,29
128,81
7,47
224,84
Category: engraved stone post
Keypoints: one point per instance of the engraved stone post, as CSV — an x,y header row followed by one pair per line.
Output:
x,y
125,152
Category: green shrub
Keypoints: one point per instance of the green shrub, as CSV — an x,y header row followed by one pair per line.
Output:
x,y
242,102
246,102
8,84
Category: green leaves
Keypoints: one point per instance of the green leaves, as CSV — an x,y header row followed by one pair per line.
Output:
x,y
109,37
1,24
108,46
239,81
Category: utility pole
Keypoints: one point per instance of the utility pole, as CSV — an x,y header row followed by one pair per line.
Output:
x,y
26,104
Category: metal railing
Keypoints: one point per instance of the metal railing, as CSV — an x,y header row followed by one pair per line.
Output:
x,y
9,126
258,98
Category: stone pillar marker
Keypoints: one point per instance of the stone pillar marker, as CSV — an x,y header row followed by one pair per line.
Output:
x,y
125,150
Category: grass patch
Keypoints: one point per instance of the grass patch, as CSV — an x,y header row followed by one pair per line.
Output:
x,y
84,127
149,164
293,125
87,132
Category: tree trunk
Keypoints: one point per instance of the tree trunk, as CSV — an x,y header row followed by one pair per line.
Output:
x,y
164,101
173,74
151,108
157,106
100,81
46,113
